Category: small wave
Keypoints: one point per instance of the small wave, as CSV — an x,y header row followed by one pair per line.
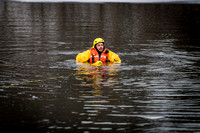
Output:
x,y
152,117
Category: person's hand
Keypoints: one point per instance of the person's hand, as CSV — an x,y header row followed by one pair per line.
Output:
x,y
98,63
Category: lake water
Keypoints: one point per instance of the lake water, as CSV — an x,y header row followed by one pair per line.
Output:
x,y
155,89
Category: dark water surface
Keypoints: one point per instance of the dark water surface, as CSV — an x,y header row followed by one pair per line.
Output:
x,y
155,89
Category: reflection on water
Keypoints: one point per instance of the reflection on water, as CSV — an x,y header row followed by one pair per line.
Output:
x,y
99,82
97,76
155,89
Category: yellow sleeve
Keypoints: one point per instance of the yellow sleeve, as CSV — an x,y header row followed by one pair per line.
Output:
x,y
83,57
114,58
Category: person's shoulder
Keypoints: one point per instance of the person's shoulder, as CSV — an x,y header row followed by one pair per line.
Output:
x,y
111,52
86,52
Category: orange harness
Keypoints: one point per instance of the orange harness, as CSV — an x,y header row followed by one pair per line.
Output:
x,y
94,56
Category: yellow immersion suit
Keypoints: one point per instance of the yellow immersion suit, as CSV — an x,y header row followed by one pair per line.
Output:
x,y
86,55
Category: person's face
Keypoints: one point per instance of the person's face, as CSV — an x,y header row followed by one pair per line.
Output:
x,y
100,46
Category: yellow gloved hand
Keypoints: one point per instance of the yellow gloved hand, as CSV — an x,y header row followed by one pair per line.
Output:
x,y
98,63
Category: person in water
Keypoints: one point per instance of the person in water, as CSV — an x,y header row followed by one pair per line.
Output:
x,y
98,54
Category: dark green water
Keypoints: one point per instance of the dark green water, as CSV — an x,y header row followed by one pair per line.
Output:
x,y
155,89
